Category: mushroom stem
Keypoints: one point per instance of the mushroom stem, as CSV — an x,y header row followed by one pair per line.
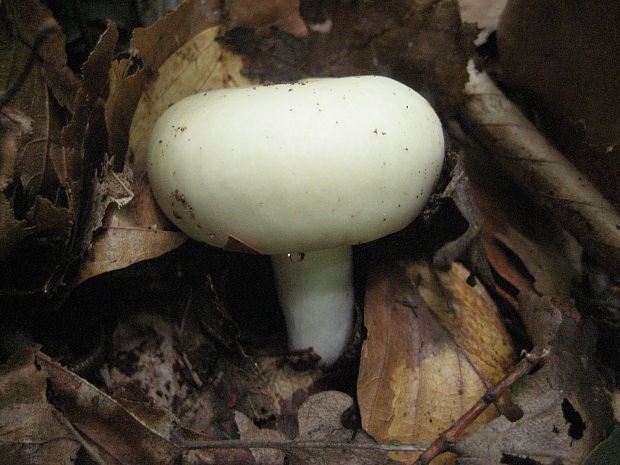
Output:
x,y
316,295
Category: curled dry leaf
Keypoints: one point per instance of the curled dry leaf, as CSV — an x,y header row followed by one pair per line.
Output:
x,y
467,247
524,246
31,429
565,404
170,70
131,230
434,345
139,231
544,173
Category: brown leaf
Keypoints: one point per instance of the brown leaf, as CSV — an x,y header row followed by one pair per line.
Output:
x,y
524,246
31,98
434,344
425,39
566,407
104,421
132,226
152,46
320,419
248,431
26,18
31,429
422,44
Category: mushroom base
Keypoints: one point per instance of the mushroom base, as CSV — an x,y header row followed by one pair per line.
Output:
x,y
316,295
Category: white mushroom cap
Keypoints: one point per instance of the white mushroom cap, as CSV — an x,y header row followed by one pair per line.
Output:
x,y
296,167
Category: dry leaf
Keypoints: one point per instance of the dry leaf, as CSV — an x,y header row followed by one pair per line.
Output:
x,y
434,344
320,419
248,431
36,197
526,248
428,43
31,430
131,231
26,17
421,44
105,422
565,403
540,170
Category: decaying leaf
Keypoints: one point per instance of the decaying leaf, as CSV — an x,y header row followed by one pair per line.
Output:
x,y
540,170
131,229
249,431
434,344
526,248
148,354
104,421
31,430
565,403
38,216
320,419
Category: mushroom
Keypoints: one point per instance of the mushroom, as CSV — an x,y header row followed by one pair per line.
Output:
x,y
300,172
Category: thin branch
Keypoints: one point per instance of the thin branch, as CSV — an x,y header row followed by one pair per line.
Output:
x,y
453,434
287,445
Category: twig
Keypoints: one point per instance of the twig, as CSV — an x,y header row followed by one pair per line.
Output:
x,y
453,434
46,29
284,445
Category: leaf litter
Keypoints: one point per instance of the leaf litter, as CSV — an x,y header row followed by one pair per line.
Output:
x,y
96,168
